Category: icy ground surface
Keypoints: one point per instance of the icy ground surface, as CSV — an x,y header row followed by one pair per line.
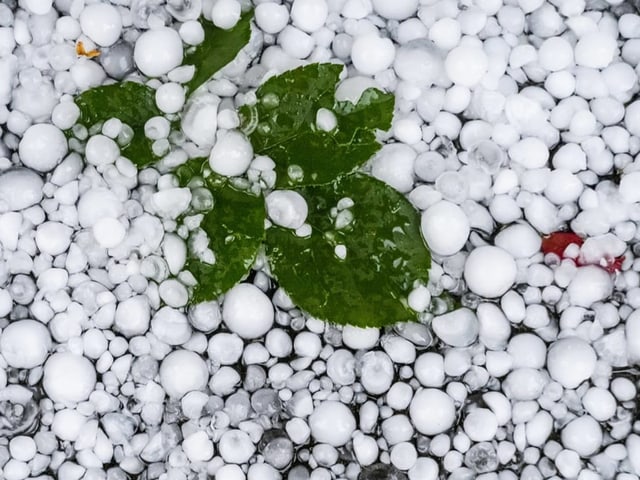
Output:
x,y
512,121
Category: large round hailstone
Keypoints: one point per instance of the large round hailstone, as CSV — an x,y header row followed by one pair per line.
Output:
x,y
589,285
332,422
158,51
25,344
183,371
396,9
582,435
68,378
96,204
247,311
102,23
287,208
42,147
466,65
490,271
445,227
20,188
595,49
571,361
432,411
231,155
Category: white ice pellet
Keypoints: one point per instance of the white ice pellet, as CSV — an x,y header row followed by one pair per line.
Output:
x,y
25,343
533,345
170,326
555,54
65,115
43,146
493,327
458,328
376,372
109,232
595,49
398,10
271,17
98,203
524,384
337,432
445,228
158,51
429,369
235,446
466,65
53,238
231,154
309,15
102,23
571,361
432,411
181,372
563,187
198,447
173,293
599,403
394,165
520,240
170,97
481,425
20,188
365,449
445,33
132,316
582,435
68,378
22,448
372,54
247,311
490,271
589,285
530,152
287,208
358,338
226,13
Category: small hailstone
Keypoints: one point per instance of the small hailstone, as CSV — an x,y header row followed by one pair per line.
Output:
x,y
466,65
458,328
235,446
571,361
494,329
398,10
25,343
394,165
445,33
198,447
42,148
38,7
231,155
170,203
445,227
225,14
247,311
309,15
183,371
20,188
358,338
520,240
271,17
530,152
68,424
599,403
158,51
372,54
101,150
524,384
102,23
22,448
200,119
532,344
490,271
339,430
171,326
98,203
65,115
109,232
326,120
132,316
403,456
429,369
376,372
582,435
481,425
287,208
425,468
173,293
595,49
555,54
53,238
432,411
68,378
589,285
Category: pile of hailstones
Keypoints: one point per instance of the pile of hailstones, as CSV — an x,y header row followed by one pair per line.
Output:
x,y
107,374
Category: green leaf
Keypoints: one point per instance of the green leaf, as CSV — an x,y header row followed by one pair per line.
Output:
x,y
282,125
218,48
386,256
130,102
235,227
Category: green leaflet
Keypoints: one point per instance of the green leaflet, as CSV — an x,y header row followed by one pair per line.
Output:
x,y
235,227
130,102
218,48
282,125
385,254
